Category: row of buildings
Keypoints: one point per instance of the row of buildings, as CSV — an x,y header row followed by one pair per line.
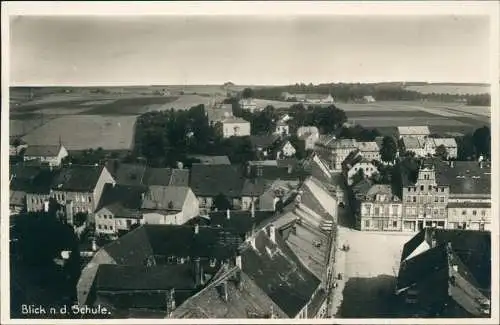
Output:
x,y
418,139
246,263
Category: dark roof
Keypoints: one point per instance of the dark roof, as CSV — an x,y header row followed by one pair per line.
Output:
x,y
465,177
317,302
239,222
279,273
32,179
42,151
352,158
254,187
212,160
121,200
140,277
180,177
78,178
126,174
157,176
245,301
169,240
281,171
263,141
165,198
211,180
472,205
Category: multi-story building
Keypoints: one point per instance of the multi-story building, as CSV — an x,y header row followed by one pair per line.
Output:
x,y
282,128
425,200
419,132
381,210
356,163
424,147
308,134
369,150
234,127
334,151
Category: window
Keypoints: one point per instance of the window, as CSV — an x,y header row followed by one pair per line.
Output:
x,y
213,262
105,227
394,224
421,187
442,189
430,187
441,199
436,199
377,211
414,199
90,199
464,212
441,212
409,189
408,211
408,199
474,212
481,226
99,226
483,212
367,223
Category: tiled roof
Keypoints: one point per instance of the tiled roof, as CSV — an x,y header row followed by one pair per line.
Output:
x,y
157,176
78,178
254,187
32,179
170,198
232,119
112,277
246,300
276,270
413,130
239,222
447,142
381,189
211,180
42,151
169,240
411,143
179,177
121,200
126,174
466,177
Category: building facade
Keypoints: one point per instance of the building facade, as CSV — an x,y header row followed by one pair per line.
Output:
x,y
50,155
381,210
235,127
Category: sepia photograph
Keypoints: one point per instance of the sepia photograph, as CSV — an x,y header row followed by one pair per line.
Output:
x,y
254,162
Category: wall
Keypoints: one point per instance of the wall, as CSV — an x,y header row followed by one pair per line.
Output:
x,y
105,222
35,201
385,216
155,218
474,218
228,129
191,207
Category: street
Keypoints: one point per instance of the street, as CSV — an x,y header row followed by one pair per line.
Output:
x,y
369,270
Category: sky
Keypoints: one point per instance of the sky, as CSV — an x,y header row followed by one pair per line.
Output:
x,y
247,50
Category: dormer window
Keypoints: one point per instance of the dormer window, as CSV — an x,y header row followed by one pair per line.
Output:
x,y
213,262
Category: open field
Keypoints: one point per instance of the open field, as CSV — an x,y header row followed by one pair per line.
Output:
x,y
79,132
369,272
450,89
129,106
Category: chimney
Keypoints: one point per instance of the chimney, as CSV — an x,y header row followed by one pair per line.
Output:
x,y
228,214
252,209
238,261
272,233
94,245
198,272
170,301
196,229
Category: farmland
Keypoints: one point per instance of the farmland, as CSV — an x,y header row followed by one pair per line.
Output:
x,y
454,89
107,116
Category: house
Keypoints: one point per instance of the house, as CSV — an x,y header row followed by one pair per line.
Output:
x,y
218,112
446,273
248,104
369,150
282,128
169,205
209,181
119,209
51,155
308,134
469,201
265,281
78,188
285,149
29,188
127,174
381,210
419,132
234,127
263,145
334,151
39,194
354,163
368,99
425,200
153,269
450,145
335,182
319,99
166,177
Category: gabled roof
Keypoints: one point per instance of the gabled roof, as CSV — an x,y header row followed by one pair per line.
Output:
x,y
382,189
31,179
239,222
78,178
234,120
121,200
211,180
279,273
367,146
411,143
413,130
126,174
169,198
42,150
254,187
447,142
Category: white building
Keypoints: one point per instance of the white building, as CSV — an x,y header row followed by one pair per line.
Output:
x,y
51,154
282,128
235,127
369,150
248,104
287,149
419,132
381,210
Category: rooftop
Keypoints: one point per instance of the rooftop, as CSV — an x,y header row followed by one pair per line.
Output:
x,y
465,177
126,174
368,146
122,200
78,178
234,120
212,160
42,150
211,180
413,130
169,198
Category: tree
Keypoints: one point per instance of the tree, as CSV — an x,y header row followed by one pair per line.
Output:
x,y
247,93
465,147
221,203
358,177
482,141
80,218
299,146
389,149
441,152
